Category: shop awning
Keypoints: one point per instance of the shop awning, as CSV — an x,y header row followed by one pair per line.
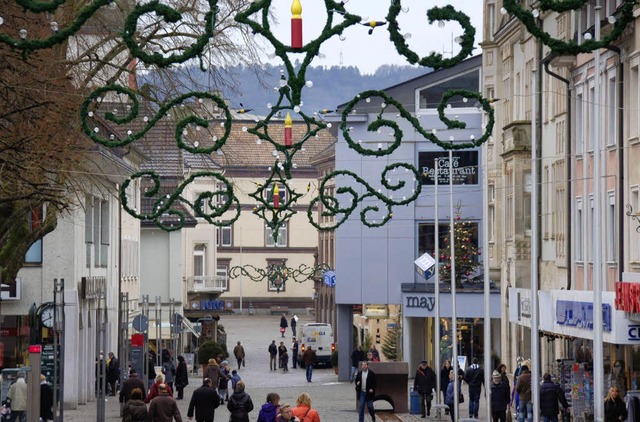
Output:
x,y
186,324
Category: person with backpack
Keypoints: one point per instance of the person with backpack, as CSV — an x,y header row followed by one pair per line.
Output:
x,y
474,377
550,395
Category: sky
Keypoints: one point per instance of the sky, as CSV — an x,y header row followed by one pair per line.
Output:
x,y
368,52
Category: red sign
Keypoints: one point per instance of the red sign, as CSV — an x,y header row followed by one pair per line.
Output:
x,y
137,340
628,297
35,348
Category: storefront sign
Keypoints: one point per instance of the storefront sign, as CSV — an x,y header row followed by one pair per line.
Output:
x,y
329,278
580,314
633,333
468,304
212,305
465,167
376,311
628,297
520,306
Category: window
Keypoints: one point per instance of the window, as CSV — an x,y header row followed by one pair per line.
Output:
x,y
579,229
634,236
430,96
579,123
509,212
34,254
97,231
590,231
199,260
492,212
592,115
632,88
281,240
612,111
222,275
611,227
526,203
427,234
546,205
277,274
223,236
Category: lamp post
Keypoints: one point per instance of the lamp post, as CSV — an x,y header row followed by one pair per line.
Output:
x,y
145,359
58,349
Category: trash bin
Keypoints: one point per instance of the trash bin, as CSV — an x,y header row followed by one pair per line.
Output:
x,y
415,407
251,310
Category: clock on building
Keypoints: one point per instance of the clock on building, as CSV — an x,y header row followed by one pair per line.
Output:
x,y
47,315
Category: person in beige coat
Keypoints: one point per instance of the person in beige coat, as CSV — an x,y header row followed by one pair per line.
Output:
x,y
18,394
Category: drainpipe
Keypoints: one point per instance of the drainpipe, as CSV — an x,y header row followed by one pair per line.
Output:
x,y
568,161
620,147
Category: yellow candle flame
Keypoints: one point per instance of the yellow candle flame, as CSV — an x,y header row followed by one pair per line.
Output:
x,y
296,9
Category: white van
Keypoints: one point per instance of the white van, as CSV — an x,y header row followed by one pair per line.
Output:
x,y
319,336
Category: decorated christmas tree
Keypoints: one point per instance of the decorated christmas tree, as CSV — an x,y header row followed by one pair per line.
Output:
x,y
465,249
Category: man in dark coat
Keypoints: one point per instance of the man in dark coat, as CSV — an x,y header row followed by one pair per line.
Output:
x,y
239,404
273,354
46,400
550,395
366,390
163,407
238,352
425,383
294,322
113,373
132,382
357,356
474,377
294,353
500,397
204,400
308,359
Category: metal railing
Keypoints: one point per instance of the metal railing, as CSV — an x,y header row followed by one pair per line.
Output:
x,y
206,283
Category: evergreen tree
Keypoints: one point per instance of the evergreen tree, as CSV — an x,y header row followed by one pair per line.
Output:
x,y
465,249
390,343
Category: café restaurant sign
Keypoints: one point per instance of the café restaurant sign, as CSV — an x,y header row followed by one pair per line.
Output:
x,y
628,297
464,163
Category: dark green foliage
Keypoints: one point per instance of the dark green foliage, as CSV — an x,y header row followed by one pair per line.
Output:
x,y
211,349
390,343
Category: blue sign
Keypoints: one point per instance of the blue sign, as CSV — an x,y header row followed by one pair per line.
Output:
x,y
580,314
212,305
329,278
633,332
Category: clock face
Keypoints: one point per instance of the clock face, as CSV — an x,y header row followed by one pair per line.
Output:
x,y
46,316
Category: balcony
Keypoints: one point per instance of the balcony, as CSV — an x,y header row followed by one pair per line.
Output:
x,y
206,284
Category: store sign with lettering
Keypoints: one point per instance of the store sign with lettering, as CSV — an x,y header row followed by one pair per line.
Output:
x,y
212,305
464,167
580,314
426,302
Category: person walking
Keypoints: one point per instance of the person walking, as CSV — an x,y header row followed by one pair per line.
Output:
x,y
283,324
182,377
212,372
240,404
449,398
154,391
163,407
18,396
523,388
444,380
238,352
500,397
282,349
502,370
169,371
113,373
294,323
130,383
474,377
425,383
550,395
135,410
270,409
46,400
615,409
357,356
308,359
303,409
151,370
366,391
273,353
204,401
235,378
223,382
295,346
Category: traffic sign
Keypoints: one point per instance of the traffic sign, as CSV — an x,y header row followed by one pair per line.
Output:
x,y
141,323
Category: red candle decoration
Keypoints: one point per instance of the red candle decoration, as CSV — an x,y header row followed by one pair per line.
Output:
x,y
276,196
296,24
288,123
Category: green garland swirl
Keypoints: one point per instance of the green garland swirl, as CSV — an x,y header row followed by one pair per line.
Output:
x,y
277,274
164,207
571,47
433,60
397,132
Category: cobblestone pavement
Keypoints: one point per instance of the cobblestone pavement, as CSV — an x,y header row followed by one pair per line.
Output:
x,y
335,401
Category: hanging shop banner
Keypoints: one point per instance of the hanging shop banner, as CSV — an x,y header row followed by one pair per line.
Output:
x,y
465,167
